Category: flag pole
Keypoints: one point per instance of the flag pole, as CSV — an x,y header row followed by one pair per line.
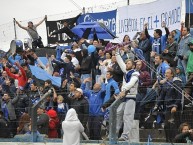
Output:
x,y
14,28
189,14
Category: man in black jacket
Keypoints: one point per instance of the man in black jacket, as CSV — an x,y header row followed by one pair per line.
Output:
x,y
85,68
170,97
22,104
80,104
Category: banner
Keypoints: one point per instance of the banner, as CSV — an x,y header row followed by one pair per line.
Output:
x,y
108,18
43,75
131,19
52,26
189,13
189,6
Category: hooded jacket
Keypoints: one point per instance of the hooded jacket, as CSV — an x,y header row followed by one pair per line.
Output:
x,y
181,75
72,128
86,63
53,124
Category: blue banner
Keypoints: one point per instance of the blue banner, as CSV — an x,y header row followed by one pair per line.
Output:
x,y
108,18
43,75
189,6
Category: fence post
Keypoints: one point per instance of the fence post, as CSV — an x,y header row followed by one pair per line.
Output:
x,y
34,116
113,121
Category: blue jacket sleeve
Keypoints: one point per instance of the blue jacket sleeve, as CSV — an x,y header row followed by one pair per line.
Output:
x,y
11,60
116,88
85,92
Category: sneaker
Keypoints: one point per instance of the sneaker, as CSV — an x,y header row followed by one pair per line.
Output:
x,y
105,138
189,105
122,139
142,127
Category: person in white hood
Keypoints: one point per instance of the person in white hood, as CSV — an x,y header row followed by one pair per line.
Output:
x,y
72,128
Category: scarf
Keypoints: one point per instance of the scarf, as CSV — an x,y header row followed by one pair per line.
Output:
x,y
128,75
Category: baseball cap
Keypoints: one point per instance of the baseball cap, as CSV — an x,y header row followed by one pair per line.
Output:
x,y
79,90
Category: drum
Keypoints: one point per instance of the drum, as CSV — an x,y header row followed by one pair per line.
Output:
x,y
16,46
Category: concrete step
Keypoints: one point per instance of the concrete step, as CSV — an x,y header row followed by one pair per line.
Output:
x,y
157,135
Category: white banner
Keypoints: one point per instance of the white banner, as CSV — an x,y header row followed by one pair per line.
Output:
x,y
131,19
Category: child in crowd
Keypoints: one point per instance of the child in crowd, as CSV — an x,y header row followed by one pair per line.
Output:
x,y
53,124
62,109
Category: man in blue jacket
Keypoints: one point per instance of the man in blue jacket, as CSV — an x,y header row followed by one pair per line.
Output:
x,y
111,86
95,98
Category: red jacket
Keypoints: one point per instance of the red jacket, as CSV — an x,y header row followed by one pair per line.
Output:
x,y
53,124
53,127
22,79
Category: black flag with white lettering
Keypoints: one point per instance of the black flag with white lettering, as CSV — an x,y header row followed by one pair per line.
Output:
x,y
58,32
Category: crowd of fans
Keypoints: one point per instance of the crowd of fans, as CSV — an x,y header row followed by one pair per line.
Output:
x,y
156,68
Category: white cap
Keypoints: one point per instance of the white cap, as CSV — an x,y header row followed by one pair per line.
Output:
x,y
79,90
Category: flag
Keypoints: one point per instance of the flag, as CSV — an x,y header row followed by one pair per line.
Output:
x,y
43,75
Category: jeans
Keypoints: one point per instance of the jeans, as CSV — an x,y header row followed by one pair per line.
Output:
x,y
94,125
88,84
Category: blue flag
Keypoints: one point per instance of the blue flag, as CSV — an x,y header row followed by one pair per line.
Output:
x,y
43,75
149,139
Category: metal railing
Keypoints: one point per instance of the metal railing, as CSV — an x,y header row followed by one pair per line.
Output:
x,y
113,121
34,116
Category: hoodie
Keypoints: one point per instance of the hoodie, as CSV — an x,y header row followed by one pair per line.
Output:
x,y
72,128
53,124
86,63
181,75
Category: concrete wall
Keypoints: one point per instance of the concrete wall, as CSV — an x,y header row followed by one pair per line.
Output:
x,y
27,143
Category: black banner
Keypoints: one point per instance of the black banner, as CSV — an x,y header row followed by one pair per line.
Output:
x,y
189,17
54,26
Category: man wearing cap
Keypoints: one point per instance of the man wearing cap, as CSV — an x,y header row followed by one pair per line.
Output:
x,y
80,104
32,31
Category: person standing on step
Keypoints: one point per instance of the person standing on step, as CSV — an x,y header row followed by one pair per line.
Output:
x,y
32,31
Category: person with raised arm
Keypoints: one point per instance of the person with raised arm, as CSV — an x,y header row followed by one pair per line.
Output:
x,y
32,31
